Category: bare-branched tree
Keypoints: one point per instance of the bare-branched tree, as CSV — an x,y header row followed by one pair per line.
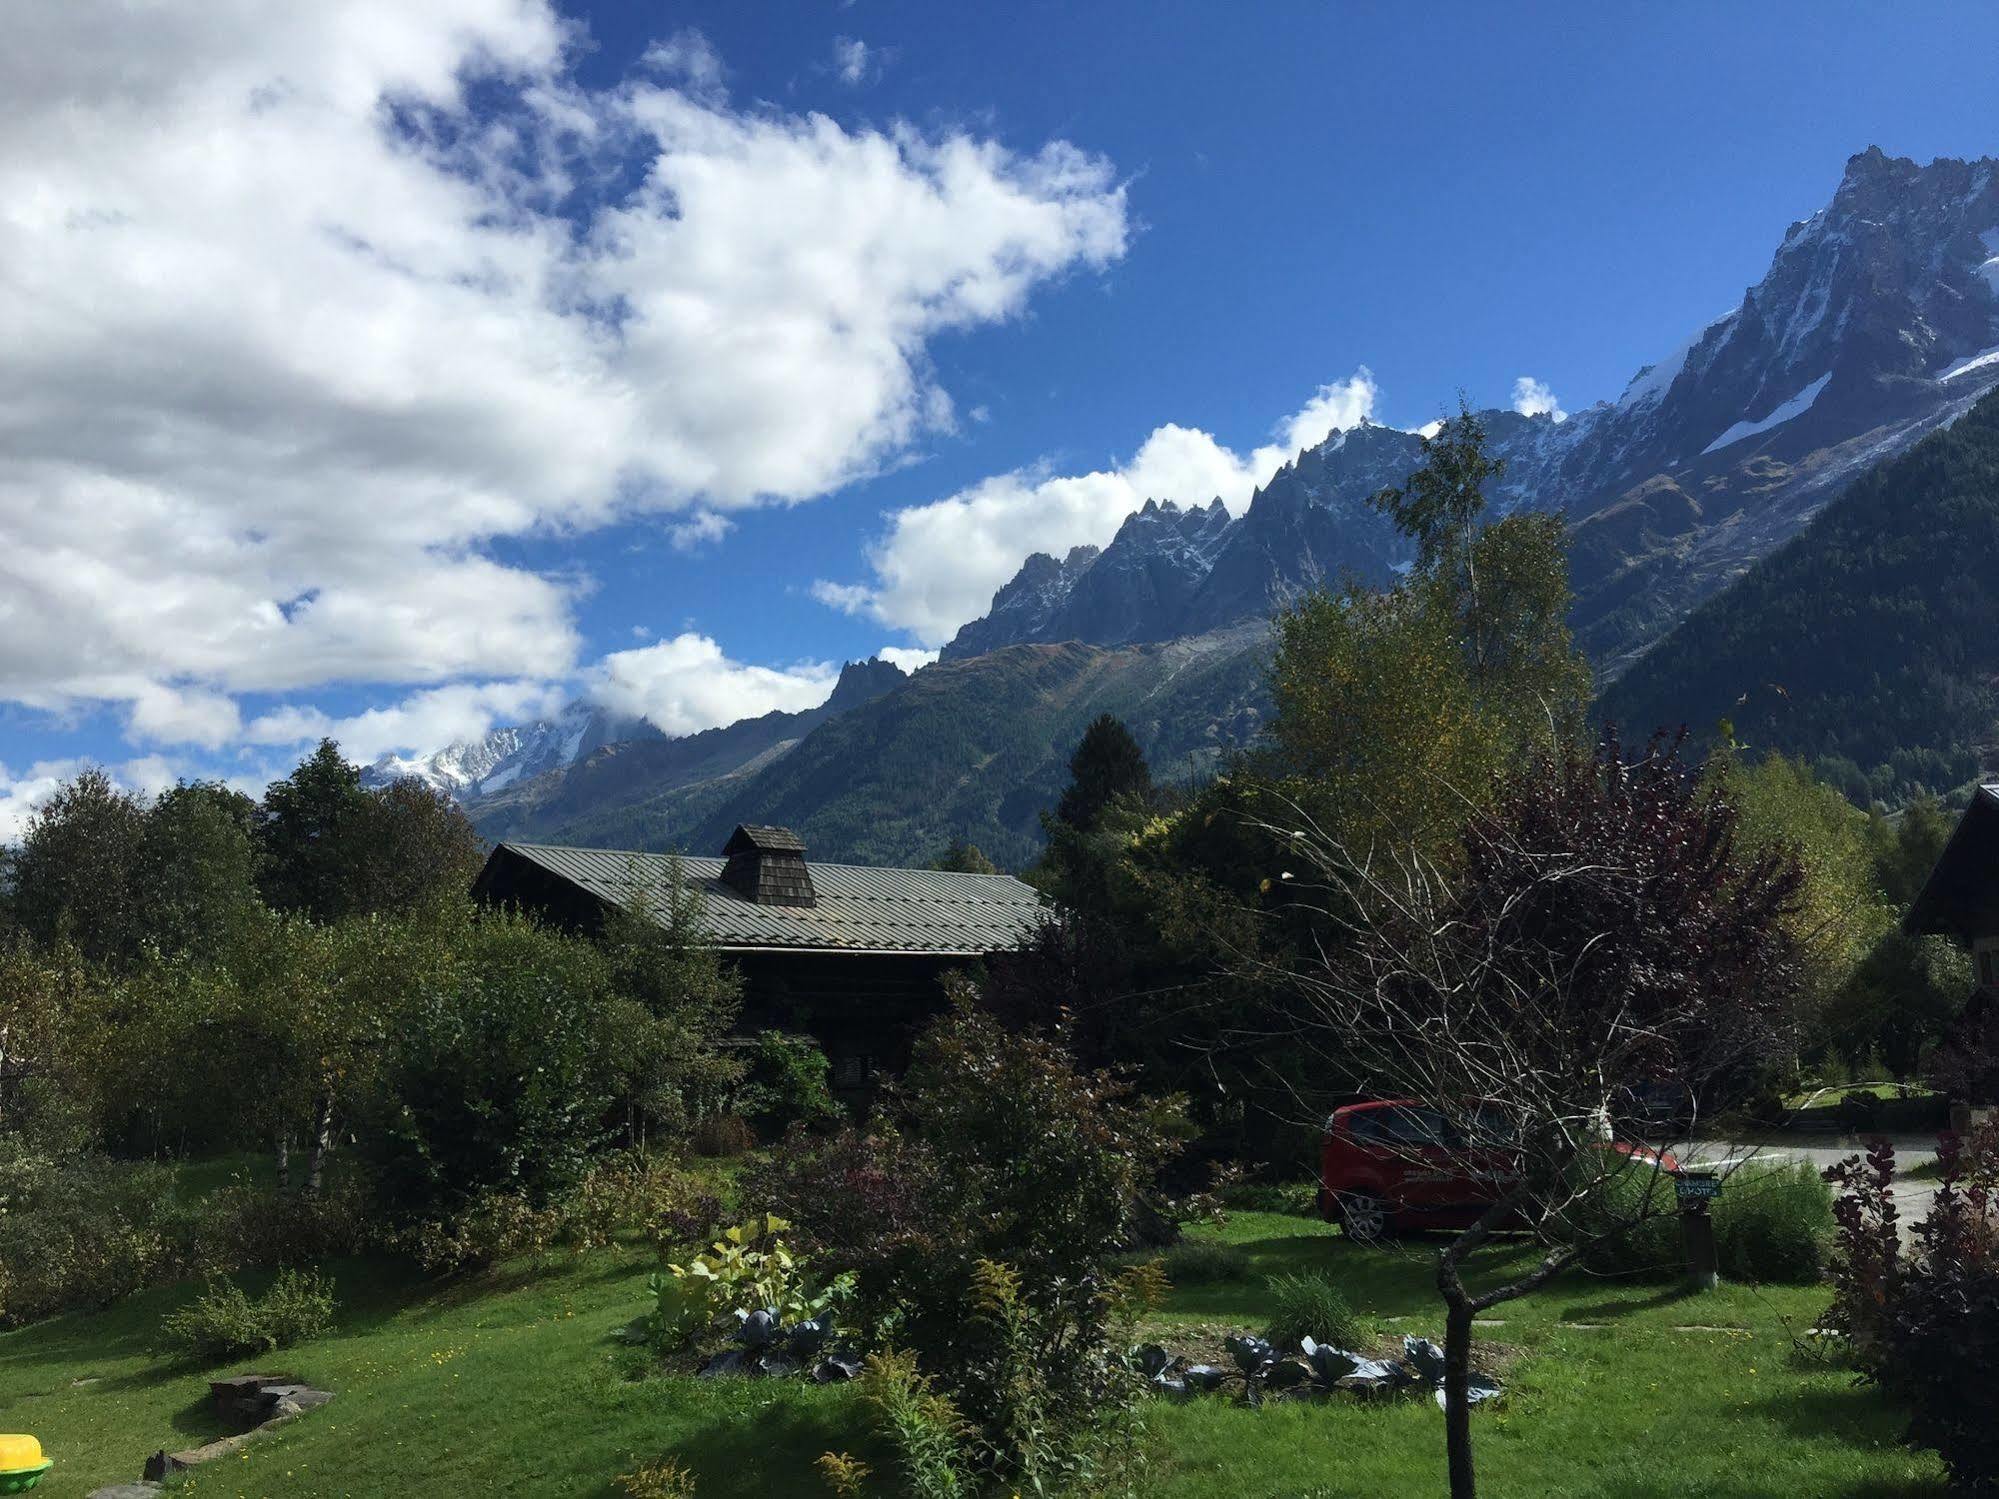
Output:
x,y
1594,953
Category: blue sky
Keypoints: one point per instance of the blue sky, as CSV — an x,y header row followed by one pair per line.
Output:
x,y
251,497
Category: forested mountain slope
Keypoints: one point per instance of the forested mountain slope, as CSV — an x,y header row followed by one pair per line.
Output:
x,y
1870,642
973,749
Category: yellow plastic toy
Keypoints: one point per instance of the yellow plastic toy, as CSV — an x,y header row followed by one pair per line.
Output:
x,y
21,1464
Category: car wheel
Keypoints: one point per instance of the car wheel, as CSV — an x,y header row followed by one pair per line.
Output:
x,y
1363,1217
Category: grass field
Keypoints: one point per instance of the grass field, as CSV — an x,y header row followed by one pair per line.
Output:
x,y
517,1385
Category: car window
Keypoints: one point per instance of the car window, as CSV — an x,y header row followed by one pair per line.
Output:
x,y
1399,1127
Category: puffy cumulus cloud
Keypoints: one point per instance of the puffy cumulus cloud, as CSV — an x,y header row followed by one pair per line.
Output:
x,y
937,564
1532,397
420,722
687,684
908,658
309,305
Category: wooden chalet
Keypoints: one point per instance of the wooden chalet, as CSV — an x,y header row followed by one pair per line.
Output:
x,y
1961,896
852,955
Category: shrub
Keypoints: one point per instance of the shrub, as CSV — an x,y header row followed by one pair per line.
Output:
x,y
1308,1305
1773,1224
1631,1222
998,1151
1203,1262
83,1231
1299,1199
625,1191
492,1085
723,1135
1925,1324
789,1083
224,1323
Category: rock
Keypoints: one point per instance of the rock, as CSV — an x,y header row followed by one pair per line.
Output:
x,y
140,1490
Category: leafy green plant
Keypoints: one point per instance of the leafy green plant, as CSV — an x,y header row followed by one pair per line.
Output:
x,y
749,1268
1306,1305
224,1322
788,1083
923,1425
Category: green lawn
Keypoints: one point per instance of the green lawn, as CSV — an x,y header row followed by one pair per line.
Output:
x,y
518,1386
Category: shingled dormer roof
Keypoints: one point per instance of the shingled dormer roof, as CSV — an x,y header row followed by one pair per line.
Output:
x,y
764,839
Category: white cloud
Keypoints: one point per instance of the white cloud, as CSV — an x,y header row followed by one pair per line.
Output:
x,y
295,330
167,715
854,60
22,794
1532,397
421,722
906,657
700,528
939,563
686,684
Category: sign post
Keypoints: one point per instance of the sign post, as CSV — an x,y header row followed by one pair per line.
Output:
x,y
1696,1191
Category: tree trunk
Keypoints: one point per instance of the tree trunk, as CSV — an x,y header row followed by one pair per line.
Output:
x,y
284,1162
1457,1399
322,1146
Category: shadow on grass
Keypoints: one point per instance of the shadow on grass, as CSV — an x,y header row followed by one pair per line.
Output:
x,y
1632,1301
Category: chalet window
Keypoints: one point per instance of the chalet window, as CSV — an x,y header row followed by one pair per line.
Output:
x,y
1985,968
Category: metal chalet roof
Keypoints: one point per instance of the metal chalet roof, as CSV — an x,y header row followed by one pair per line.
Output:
x,y
860,908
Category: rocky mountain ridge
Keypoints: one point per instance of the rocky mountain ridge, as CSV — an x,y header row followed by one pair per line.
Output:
x,y
1877,322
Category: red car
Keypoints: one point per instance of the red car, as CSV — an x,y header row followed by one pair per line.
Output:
x,y
1395,1164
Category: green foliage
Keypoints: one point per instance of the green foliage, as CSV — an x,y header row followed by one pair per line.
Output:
x,y
1108,766
1839,914
1307,1305
620,1193
1204,1262
787,1084
1439,505
224,1323
674,997
494,1081
197,869
1863,644
1773,1224
74,874
77,1230
749,1268
1397,712
330,848
921,1424
961,857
